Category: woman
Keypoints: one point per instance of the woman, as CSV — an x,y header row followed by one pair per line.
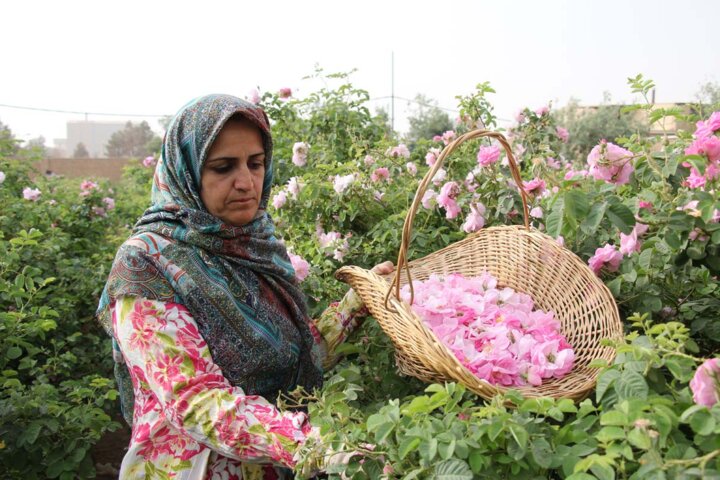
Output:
x,y
206,317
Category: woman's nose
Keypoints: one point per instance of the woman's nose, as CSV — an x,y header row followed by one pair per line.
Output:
x,y
243,179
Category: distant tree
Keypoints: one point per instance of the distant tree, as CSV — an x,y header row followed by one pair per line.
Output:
x,y
427,119
132,141
587,126
81,151
708,97
37,145
8,143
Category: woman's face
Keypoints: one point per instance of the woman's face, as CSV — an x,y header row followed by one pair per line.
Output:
x,y
232,176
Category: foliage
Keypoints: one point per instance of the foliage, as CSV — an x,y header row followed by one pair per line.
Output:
x,y
135,141
56,396
588,125
81,151
427,120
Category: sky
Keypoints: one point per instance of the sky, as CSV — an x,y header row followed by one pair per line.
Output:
x,y
149,57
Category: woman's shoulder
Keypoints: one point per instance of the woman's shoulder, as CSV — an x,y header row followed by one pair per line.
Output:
x,y
151,243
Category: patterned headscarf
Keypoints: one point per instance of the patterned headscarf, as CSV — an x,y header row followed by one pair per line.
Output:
x,y
237,282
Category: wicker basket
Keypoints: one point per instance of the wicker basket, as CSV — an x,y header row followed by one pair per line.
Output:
x,y
521,258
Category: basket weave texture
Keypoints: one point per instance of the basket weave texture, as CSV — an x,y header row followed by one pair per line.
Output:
x,y
521,258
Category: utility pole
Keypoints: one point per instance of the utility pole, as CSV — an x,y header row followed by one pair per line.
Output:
x,y
392,90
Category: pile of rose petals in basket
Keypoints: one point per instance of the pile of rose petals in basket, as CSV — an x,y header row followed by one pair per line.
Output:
x,y
494,332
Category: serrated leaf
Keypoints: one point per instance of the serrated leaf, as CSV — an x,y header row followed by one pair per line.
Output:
x,y
640,439
631,385
577,205
541,452
605,380
407,445
594,218
453,469
554,220
620,216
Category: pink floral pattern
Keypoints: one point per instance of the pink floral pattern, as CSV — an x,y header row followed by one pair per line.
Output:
x,y
185,409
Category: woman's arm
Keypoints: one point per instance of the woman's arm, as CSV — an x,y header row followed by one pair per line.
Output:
x,y
342,318
165,353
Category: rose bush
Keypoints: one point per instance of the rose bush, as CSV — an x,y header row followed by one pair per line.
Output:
x,y
646,221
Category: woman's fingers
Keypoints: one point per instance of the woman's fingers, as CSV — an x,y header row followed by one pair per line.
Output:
x,y
383,268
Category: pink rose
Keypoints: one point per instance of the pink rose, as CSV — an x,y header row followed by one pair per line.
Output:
x,y
707,128
429,199
629,243
32,194
368,160
302,268
544,110
446,199
86,187
475,220
379,174
148,161
254,96
300,151
285,92
431,156
705,384
562,134
487,156
293,187
610,163
536,212
341,183
534,186
399,151
605,257
411,168
644,204
448,137
109,203
279,200
705,146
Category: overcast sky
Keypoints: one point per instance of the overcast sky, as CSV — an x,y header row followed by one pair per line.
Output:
x,y
151,56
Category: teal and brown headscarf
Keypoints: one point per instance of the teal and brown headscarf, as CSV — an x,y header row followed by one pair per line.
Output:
x,y
237,282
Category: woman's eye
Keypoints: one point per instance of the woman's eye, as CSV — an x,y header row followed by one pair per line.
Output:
x,y
256,165
222,169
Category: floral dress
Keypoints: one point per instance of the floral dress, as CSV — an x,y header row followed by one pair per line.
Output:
x,y
189,422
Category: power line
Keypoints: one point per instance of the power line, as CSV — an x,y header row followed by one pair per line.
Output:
x,y
51,110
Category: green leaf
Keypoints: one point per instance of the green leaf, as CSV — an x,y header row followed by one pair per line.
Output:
x,y
554,221
620,216
519,434
453,469
702,422
592,221
30,434
407,445
428,449
577,205
639,438
13,352
631,385
673,240
605,380
446,450
541,452
580,476
608,434
614,417
603,472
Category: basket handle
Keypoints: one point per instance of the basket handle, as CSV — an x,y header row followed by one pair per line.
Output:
x,y
402,261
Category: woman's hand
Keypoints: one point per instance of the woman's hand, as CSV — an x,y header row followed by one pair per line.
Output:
x,y
383,268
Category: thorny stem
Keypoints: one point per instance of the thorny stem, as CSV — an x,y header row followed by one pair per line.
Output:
x,y
701,461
